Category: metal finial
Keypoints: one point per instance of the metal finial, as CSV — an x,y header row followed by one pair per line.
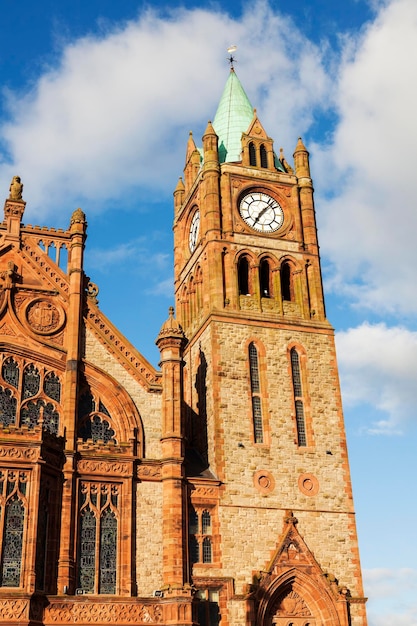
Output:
x,y
232,59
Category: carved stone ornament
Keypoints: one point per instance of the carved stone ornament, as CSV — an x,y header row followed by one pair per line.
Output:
x,y
16,188
308,484
264,481
92,292
149,472
100,613
27,454
13,610
44,317
103,467
78,217
291,605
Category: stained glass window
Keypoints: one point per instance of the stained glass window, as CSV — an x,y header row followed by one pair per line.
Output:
x,y
12,543
8,406
50,419
52,386
108,551
31,381
34,383
97,429
87,551
10,372
97,543
30,414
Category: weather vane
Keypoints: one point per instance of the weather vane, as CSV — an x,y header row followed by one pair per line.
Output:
x,y
232,59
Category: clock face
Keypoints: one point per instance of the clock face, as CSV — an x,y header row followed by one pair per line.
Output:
x,y
261,212
194,231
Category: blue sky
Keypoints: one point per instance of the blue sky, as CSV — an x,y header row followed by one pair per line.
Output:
x,y
96,104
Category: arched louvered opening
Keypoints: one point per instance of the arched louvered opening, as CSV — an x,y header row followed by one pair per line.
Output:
x,y
264,156
286,282
265,279
243,276
252,154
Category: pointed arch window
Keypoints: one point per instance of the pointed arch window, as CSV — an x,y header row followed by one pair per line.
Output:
x,y
286,283
298,398
97,538
252,154
13,486
243,276
264,156
255,388
30,394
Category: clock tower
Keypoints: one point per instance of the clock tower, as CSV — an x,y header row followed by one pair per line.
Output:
x,y
271,524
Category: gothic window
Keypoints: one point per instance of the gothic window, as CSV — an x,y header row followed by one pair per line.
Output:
x,y
30,413
255,389
200,536
12,521
97,429
108,534
10,372
94,425
31,381
264,157
52,386
265,279
50,419
298,398
97,538
7,407
243,276
31,393
286,286
252,154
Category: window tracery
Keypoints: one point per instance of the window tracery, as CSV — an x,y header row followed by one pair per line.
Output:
x,y
97,539
13,487
93,423
30,392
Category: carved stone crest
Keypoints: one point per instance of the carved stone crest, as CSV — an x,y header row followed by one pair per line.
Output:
x,y
44,317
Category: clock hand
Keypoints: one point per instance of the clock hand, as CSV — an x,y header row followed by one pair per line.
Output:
x,y
261,213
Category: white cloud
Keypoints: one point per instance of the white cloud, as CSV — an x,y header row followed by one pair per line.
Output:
x,y
377,368
113,116
392,596
368,228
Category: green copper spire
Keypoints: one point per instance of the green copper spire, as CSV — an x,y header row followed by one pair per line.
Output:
x,y
233,117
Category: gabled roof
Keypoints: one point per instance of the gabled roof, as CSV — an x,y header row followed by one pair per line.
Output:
x,y
233,117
